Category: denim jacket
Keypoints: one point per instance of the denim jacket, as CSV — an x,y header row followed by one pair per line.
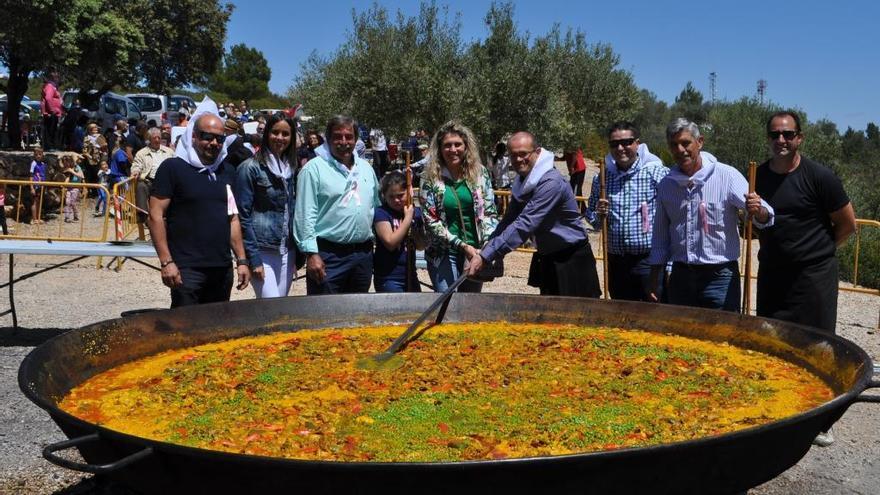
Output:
x,y
260,196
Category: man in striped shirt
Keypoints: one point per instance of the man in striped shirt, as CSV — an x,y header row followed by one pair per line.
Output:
x,y
696,223
632,176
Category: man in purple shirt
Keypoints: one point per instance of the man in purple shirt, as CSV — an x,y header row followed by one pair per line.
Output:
x,y
544,207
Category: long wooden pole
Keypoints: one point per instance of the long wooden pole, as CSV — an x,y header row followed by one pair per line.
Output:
x,y
409,241
604,239
747,278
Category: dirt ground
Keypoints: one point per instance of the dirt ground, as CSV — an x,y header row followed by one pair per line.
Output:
x,y
81,294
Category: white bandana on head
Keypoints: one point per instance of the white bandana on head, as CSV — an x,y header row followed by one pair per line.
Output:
x,y
185,149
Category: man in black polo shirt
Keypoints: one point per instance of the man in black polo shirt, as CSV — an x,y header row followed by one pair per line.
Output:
x,y
193,220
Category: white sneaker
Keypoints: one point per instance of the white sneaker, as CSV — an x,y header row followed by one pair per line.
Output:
x,y
824,439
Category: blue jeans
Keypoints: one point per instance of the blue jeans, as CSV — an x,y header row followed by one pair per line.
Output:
x,y
101,204
447,272
705,286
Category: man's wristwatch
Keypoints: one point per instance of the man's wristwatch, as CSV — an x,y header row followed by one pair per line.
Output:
x,y
242,262
166,263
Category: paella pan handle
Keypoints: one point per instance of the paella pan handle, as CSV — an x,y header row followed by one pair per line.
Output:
x,y
49,452
874,383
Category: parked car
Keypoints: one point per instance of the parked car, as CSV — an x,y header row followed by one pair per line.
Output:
x,y
154,108
111,106
33,107
25,112
161,108
174,102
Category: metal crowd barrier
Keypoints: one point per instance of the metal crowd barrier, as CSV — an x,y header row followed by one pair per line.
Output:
x,y
126,210
860,222
46,193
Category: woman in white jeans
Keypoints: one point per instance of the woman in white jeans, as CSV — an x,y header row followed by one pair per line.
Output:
x,y
264,192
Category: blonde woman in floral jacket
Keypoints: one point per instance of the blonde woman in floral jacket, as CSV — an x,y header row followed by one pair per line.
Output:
x,y
458,205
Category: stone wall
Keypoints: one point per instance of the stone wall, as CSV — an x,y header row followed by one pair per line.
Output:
x,y
17,165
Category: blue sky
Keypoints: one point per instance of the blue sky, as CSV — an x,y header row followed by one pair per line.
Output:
x,y
821,56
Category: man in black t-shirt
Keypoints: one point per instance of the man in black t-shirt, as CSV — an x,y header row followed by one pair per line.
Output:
x,y
797,275
193,220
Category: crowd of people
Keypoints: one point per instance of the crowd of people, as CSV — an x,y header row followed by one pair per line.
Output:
x,y
288,198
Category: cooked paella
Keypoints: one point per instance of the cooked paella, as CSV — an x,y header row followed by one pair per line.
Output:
x,y
465,392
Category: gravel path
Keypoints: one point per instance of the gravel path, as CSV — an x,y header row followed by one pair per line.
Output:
x,y
80,294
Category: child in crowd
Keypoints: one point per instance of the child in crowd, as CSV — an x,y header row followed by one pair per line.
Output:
x,y
103,180
391,222
73,174
38,174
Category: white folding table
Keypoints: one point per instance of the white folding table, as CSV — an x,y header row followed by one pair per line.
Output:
x,y
77,249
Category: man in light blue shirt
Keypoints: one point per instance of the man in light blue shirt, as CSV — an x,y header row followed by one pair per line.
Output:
x,y
696,223
333,220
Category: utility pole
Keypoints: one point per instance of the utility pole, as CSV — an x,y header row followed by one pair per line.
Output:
x,y
713,77
762,88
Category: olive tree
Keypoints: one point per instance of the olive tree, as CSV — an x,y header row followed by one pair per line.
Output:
x,y
736,132
396,73
415,73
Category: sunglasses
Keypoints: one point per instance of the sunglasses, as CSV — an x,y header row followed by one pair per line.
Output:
x,y
788,135
210,136
618,142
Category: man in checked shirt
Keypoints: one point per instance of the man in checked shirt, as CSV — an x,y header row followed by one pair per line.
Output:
x,y
631,178
696,223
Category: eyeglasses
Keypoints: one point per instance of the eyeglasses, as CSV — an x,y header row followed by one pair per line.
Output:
x,y
788,135
614,143
210,136
521,154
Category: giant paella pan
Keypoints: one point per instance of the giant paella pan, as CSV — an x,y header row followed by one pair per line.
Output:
x,y
727,462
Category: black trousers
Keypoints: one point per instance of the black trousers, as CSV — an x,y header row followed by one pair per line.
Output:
x,y
577,182
202,285
569,272
803,293
50,131
380,163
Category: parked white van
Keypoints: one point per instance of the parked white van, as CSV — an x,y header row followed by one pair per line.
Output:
x,y
161,108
